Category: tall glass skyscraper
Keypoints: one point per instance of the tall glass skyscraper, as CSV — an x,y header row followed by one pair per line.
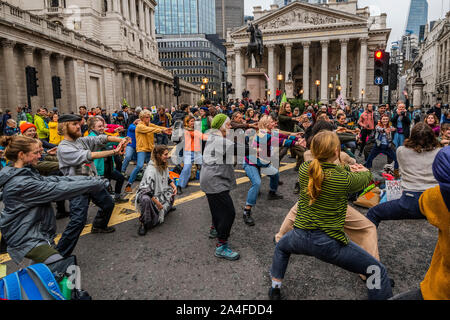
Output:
x,y
418,15
185,17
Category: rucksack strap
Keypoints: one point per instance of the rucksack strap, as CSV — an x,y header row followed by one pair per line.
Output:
x,y
28,285
47,279
12,287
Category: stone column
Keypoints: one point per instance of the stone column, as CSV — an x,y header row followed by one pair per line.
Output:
x,y
143,90
230,58
116,7
152,24
63,102
133,11
324,72
288,87
147,21
136,91
125,10
47,79
306,80
363,68
127,87
28,55
239,65
163,94
157,99
141,15
151,93
271,71
343,73
10,73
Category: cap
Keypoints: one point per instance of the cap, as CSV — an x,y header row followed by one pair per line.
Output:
x,y
69,118
25,126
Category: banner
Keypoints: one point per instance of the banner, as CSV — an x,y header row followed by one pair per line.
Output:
x,y
340,101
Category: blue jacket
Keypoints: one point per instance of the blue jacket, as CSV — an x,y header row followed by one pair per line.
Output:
x,y
132,134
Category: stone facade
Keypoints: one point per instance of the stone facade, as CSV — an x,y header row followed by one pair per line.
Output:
x,y
333,44
112,55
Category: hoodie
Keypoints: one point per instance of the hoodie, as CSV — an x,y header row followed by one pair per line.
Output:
x,y
28,219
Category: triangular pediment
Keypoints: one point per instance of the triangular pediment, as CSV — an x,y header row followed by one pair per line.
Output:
x,y
299,15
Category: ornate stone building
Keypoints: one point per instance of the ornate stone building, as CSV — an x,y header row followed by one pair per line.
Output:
x,y
103,51
332,43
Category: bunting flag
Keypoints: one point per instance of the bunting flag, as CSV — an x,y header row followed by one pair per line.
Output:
x,y
267,77
284,99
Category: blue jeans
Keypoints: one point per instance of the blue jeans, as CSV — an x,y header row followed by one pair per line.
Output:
x,y
255,178
142,157
350,257
385,149
407,207
130,154
399,138
189,158
78,216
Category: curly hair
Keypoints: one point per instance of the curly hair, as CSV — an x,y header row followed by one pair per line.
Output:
x,y
422,138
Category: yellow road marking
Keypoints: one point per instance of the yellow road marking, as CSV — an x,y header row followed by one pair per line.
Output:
x,y
118,217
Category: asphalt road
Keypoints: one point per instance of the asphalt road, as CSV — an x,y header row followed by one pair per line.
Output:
x,y
176,260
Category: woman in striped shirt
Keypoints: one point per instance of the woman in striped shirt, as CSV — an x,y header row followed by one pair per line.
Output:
x,y
319,225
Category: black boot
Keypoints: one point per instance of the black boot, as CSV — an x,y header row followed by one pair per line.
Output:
x,y
274,196
142,230
179,190
248,218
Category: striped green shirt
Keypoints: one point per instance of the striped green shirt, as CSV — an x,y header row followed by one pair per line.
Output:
x,y
328,212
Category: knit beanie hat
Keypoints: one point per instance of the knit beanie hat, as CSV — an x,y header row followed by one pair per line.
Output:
x,y
25,126
218,121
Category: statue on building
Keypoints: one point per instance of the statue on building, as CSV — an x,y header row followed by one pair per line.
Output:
x,y
255,47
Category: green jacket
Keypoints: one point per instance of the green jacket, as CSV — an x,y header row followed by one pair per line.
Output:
x,y
41,127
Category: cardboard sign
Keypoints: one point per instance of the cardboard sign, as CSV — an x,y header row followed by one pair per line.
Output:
x,y
394,190
154,110
2,270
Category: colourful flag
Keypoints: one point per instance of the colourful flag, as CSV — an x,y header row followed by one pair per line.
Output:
x,y
267,77
284,99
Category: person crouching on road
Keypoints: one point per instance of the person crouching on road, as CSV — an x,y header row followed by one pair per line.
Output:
x,y
75,155
156,193
319,226
27,221
217,180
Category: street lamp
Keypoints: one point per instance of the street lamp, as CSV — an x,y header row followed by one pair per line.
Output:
x,y
205,82
362,97
301,93
317,89
330,85
268,93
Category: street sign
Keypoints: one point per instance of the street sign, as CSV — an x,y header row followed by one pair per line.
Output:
x,y
379,81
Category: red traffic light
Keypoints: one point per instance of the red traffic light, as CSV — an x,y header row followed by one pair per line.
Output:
x,y
378,54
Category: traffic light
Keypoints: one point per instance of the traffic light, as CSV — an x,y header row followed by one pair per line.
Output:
x,y
31,80
393,76
379,68
176,86
56,84
229,88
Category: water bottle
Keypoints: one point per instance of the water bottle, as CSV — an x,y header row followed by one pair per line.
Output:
x,y
65,288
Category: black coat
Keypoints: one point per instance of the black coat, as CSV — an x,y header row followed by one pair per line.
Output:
x,y
405,123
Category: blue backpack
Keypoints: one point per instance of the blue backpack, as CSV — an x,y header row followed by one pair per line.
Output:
x,y
35,282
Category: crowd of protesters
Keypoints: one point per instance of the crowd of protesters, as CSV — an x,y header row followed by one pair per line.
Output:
x,y
80,157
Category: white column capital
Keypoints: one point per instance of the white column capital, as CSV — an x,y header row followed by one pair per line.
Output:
x,y
288,45
45,53
344,41
270,46
363,40
324,43
306,44
28,49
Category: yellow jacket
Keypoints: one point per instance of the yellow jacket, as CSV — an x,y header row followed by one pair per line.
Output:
x,y
54,138
145,136
436,285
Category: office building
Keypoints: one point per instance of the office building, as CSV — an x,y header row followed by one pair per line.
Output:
x,y
229,15
417,16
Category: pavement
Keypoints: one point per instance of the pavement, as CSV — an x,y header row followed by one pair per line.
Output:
x,y
175,261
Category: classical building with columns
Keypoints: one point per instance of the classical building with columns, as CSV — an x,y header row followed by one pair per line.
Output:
x,y
306,44
103,51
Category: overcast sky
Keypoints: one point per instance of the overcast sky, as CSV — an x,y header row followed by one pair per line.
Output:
x,y
396,10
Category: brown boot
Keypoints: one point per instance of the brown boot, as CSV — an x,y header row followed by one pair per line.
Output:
x,y
396,174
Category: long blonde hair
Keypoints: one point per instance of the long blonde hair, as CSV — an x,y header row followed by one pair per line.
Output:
x,y
323,147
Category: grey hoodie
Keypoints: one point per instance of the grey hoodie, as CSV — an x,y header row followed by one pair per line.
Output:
x,y
28,219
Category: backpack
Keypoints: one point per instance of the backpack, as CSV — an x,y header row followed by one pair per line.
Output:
x,y
178,131
35,282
